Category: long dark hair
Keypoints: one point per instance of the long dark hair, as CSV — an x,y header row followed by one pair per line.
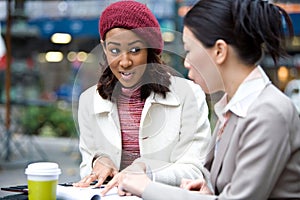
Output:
x,y
252,27
156,78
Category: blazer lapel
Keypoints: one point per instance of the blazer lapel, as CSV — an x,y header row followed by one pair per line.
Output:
x,y
222,148
211,149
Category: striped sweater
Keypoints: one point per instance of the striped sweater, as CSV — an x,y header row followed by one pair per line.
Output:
x,y
130,109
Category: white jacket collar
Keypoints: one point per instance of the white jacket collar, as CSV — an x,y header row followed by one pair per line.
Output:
x,y
245,96
102,105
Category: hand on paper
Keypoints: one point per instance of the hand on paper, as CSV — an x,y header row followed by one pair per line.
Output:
x,y
103,168
118,180
198,185
135,183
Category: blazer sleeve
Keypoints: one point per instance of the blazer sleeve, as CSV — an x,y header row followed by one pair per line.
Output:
x,y
187,157
264,150
159,191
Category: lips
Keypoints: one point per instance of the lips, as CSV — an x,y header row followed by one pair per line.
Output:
x,y
127,75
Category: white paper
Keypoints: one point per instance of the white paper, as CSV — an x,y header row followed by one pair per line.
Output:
x,y
75,193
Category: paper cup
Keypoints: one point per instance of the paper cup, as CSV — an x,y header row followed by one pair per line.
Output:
x,y
42,179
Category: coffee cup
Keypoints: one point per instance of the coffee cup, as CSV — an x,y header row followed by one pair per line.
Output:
x,y
42,179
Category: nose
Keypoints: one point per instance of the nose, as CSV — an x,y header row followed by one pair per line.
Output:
x,y
186,64
125,60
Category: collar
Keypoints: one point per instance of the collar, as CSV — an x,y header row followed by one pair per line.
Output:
x,y
245,95
102,105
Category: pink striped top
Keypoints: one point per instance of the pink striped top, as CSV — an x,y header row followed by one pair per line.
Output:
x,y
130,109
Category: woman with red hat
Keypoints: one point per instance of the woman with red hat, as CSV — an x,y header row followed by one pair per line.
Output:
x,y
139,116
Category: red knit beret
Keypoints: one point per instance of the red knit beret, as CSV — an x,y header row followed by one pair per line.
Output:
x,y
132,15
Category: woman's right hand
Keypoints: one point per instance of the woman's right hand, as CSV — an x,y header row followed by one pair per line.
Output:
x,y
103,168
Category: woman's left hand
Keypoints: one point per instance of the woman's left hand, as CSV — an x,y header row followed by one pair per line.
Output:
x,y
135,183
118,179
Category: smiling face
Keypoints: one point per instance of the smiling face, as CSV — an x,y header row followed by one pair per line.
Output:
x,y
126,54
199,61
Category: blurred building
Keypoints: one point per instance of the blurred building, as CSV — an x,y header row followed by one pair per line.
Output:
x,y
51,40
55,45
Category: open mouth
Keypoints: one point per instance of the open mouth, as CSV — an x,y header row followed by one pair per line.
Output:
x,y
127,75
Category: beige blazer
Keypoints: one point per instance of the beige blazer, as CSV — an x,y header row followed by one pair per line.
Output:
x,y
258,156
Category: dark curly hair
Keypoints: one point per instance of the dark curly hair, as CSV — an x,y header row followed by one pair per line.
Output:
x,y
156,79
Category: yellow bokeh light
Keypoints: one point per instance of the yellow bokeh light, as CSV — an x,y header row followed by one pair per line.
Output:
x,y
283,74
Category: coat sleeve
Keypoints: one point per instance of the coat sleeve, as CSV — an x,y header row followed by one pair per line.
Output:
x,y
187,157
85,136
159,191
87,144
85,133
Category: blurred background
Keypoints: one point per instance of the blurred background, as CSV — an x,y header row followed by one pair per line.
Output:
x,y
43,48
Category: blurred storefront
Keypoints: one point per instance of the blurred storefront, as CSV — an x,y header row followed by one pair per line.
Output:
x,y
287,76
46,69
289,67
56,54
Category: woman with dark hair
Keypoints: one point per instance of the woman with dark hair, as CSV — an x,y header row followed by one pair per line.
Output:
x,y
139,114
255,149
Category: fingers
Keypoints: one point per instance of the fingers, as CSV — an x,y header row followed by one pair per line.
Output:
x,y
107,169
192,184
205,189
134,183
86,181
185,182
114,172
112,183
101,179
123,192
106,162
118,179
199,185
103,168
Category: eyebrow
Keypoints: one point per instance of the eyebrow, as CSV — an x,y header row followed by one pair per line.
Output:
x,y
137,41
129,44
114,43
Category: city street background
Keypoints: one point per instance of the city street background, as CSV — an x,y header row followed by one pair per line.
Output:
x,y
39,88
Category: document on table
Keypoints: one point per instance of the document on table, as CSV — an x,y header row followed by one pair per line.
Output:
x,y
75,193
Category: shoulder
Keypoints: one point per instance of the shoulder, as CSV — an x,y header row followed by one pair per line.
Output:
x,y
272,101
183,86
88,93
273,110
87,97
180,81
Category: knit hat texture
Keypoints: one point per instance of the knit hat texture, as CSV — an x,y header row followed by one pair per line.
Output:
x,y
132,15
